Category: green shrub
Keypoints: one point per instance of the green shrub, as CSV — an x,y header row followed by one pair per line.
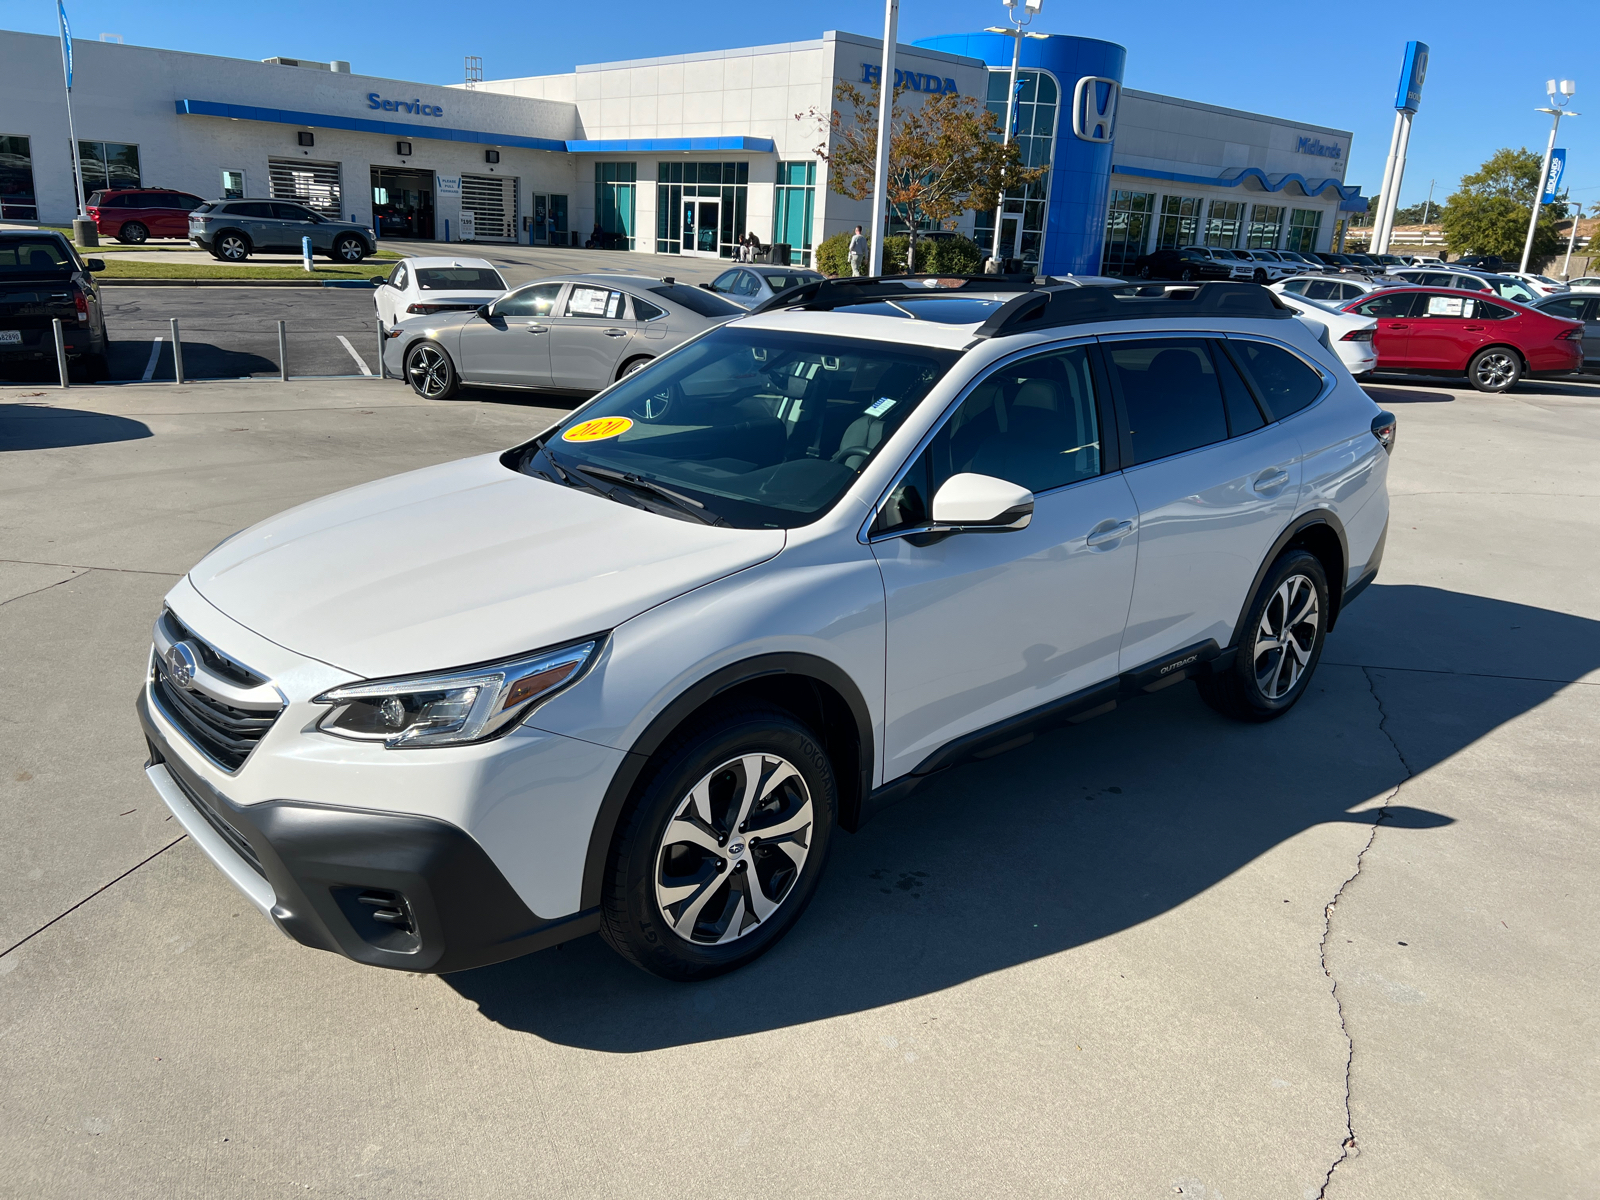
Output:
x,y
833,255
940,256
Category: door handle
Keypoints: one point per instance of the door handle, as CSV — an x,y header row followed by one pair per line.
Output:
x,y
1473,328
1397,326
616,333
1108,532
538,329
1271,481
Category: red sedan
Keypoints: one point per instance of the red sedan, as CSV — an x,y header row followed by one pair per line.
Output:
x,y
1494,343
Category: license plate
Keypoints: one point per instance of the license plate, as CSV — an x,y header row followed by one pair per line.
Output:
x,y
10,337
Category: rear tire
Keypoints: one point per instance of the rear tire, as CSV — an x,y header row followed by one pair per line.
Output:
x,y
721,849
632,365
230,246
430,372
1281,644
1494,369
89,368
133,234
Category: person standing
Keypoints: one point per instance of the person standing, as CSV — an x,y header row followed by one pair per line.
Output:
x,y
858,253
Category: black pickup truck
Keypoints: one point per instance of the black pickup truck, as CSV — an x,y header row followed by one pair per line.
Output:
x,y
42,277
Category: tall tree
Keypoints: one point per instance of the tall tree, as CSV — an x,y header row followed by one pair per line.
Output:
x,y
1489,215
945,156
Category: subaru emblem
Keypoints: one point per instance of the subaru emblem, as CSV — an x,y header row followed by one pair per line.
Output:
x,y
182,663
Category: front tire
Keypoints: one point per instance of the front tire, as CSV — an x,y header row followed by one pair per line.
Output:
x,y
1494,370
1188,275
133,234
1260,276
1281,644
721,851
430,372
350,249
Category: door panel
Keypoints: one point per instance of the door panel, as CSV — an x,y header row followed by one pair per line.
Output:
x,y
588,340
1591,333
1392,339
1444,334
511,346
1207,515
984,626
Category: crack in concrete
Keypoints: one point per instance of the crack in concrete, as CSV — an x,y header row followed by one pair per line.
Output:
x,y
1348,1148
92,895
29,562
77,573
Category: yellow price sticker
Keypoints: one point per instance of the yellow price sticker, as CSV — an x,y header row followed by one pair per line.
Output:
x,y
597,430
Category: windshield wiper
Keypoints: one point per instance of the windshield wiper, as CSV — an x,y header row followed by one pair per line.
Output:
x,y
677,499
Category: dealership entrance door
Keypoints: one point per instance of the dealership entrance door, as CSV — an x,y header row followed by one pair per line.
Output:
x,y
700,227
549,224
402,203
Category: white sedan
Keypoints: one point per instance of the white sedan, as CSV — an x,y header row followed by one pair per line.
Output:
x,y
1543,285
1348,335
1324,288
418,286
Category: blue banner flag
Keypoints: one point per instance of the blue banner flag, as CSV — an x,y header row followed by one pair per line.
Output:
x,y
1552,183
66,41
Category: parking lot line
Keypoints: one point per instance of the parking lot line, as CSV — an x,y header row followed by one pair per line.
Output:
x,y
360,362
150,367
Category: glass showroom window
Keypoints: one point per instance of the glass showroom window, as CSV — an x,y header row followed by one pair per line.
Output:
x,y
793,205
108,165
1034,131
1304,225
711,197
1266,223
614,187
16,180
1127,228
1179,224
1223,223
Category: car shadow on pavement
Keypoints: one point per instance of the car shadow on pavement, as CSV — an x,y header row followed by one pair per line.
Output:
x,y
1085,833
46,427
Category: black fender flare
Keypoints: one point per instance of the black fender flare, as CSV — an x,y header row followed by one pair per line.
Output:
x,y
689,701
1294,529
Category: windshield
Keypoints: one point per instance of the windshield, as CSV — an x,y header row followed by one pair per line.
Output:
x,y
698,300
1510,289
35,256
457,279
947,310
758,429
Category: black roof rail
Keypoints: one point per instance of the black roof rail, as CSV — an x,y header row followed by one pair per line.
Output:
x,y
826,294
1050,307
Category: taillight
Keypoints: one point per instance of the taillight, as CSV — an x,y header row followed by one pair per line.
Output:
x,y
1575,334
1357,335
82,303
421,308
1383,427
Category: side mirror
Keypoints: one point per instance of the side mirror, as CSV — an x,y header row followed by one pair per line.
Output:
x,y
981,502
486,311
380,281
95,264
708,287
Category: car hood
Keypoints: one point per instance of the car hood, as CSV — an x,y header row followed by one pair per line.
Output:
x,y
461,563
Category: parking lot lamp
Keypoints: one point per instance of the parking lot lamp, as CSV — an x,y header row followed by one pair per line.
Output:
x,y
880,175
1016,33
1560,96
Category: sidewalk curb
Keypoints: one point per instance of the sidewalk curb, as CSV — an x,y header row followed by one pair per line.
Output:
x,y
280,283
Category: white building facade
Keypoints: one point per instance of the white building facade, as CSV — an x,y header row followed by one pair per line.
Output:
x,y
678,155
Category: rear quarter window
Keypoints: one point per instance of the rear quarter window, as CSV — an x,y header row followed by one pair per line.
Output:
x,y
1283,380
697,300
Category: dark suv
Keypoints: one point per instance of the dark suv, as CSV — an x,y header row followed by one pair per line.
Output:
x,y
1189,263
233,230
136,215
41,278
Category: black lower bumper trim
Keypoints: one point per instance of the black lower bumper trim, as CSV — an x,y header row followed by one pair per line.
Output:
x,y
326,863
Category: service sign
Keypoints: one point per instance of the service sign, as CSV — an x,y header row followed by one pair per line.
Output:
x,y
1413,71
447,185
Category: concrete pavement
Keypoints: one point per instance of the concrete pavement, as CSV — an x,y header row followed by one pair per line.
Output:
x,y
1347,953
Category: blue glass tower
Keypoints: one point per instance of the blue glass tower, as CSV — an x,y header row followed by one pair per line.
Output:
x,y
1072,211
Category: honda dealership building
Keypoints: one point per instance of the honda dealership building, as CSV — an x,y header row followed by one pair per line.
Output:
x,y
677,155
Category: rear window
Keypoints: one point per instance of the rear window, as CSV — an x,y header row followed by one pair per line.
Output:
x,y
35,256
204,208
1284,381
459,279
778,282
697,300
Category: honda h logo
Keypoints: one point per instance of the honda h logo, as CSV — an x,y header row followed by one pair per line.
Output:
x,y
1094,108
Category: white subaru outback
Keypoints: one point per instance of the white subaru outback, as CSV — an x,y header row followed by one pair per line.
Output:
x,y
632,675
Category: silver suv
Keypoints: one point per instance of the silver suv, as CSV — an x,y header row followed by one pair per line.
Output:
x,y
233,230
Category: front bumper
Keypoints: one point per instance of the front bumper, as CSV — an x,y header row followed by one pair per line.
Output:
x,y
397,890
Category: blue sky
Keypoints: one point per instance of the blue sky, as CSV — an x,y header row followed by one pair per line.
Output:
x,y
1328,66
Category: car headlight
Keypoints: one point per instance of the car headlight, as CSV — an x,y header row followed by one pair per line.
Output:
x,y
452,708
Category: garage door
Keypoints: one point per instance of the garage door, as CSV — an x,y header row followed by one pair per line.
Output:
x,y
492,200
316,185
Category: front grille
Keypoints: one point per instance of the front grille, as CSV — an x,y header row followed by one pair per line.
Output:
x,y
222,732
227,832
219,662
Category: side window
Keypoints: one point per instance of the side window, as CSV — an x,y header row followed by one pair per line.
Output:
x,y
1284,381
724,283
1350,291
1171,394
536,301
1490,312
251,209
1298,286
1570,307
748,284
1468,283
585,301
186,202
1389,305
1434,279
643,310
290,212
1322,289
1243,415
399,277
1032,422
1447,306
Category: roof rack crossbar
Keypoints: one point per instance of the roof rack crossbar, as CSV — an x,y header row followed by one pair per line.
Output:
x,y
826,294
1108,302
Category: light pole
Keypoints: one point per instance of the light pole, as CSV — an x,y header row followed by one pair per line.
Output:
x,y
1572,237
1016,33
1560,95
880,176
1427,205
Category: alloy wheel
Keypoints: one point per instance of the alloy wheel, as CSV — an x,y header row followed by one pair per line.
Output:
x,y
1286,636
429,371
232,248
734,849
351,250
1495,370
